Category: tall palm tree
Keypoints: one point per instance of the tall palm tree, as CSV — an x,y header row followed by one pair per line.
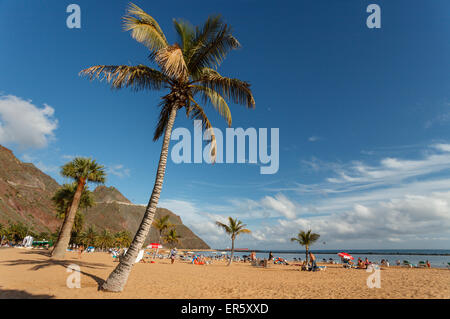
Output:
x,y
234,228
82,170
63,198
306,239
172,238
187,69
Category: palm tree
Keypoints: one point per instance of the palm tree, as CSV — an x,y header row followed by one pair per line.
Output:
x,y
306,239
2,233
122,238
172,238
105,239
89,237
161,224
63,198
82,170
186,69
234,228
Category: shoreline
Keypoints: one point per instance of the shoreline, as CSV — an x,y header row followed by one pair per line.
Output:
x,y
32,274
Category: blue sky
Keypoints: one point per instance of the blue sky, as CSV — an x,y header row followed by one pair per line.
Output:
x,y
363,114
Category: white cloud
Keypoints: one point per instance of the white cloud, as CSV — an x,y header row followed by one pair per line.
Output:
x,y
118,170
313,138
280,204
25,124
442,147
403,219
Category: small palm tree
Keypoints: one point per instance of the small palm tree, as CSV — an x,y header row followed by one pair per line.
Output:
x,y
188,70
172,238
161,224
82,170
63,198
234,228
306,239
123,238
105,239
89,237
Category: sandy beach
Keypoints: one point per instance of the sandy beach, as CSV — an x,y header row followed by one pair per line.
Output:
x,y
31,274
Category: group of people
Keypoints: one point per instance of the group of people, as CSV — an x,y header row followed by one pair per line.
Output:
x,y
363,264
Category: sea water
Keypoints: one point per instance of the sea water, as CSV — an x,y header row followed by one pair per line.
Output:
x,y
437,258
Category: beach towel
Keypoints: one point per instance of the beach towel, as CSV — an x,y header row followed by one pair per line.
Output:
x,y
139,256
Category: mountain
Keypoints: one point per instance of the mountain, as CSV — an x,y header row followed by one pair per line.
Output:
x,y
26,192
115,212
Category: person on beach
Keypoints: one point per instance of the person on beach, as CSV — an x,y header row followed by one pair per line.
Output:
x,y
270,255
428,264
366,262
313,261
252,256
80,251
173,253
361,264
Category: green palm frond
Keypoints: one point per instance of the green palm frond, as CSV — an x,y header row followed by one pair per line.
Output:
x,y
172,237
306,238
234,227
63,198
84,168
211,44
162,120
186,34
217,101
138,77
162,223
236,90
144,28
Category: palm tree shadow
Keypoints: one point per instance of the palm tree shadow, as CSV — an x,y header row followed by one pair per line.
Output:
x,y
21,294
40,264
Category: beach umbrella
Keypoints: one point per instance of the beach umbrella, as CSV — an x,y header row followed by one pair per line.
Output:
x,y
346,256
154,245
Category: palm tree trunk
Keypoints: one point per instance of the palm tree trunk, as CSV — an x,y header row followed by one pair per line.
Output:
x,y
232,251
306,255
64,236
118,278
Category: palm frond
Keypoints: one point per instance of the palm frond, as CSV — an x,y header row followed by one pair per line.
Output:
x,y
217,101
211,44
162,120
144,28
198,113
171,60
237,91
186,34
224,227
138,77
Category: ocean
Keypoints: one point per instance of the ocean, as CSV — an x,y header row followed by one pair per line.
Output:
x,y
437,257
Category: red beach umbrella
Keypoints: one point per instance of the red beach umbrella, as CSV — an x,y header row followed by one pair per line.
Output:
x,y
345,255
154,245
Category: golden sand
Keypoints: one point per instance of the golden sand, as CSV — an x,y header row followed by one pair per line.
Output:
x,y
31,274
